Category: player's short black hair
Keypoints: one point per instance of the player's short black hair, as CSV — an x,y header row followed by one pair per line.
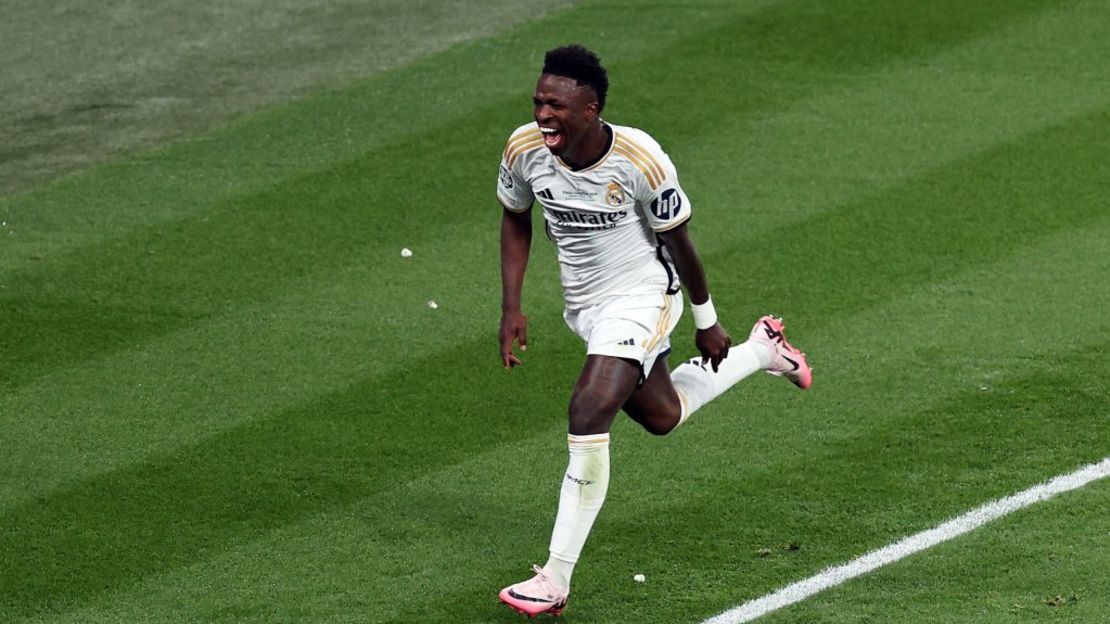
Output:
x,y
575,61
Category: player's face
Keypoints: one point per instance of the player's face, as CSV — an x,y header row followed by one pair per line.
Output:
x,y
564,110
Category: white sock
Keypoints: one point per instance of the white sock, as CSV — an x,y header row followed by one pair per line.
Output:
x,y
581,497
698,384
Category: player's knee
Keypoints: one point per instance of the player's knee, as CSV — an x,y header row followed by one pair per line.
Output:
x,y
590,413
658,418
659,427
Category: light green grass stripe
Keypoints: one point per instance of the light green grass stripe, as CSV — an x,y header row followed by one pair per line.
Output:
x,y
83,84
455,535
872,131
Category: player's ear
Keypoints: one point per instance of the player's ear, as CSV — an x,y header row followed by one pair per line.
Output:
x,y
592,111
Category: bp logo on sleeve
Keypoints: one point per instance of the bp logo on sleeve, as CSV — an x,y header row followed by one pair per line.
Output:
x,y
667,205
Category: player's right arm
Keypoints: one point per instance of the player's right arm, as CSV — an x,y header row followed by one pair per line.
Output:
x,y
516,241
515,194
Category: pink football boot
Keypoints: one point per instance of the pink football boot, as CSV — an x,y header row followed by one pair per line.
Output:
x,y
788,361
538,594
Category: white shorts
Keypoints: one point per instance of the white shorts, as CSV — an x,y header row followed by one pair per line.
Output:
x,y
636,327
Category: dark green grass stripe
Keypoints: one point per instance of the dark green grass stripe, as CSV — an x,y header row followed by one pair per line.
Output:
x,y
787,51
160,278
883,247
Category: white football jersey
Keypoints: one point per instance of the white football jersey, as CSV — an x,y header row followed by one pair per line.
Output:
x,y
603,219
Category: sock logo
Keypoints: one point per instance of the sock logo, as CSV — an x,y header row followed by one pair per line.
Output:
x,y
579,481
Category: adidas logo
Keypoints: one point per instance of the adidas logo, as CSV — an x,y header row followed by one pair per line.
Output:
x,y
630,342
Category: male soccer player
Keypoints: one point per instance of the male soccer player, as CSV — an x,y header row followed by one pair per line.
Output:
x,y
614,208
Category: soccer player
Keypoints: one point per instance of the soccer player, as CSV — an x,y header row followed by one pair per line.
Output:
x,y
614,208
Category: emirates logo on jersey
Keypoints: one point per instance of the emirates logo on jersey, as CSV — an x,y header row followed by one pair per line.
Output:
x,y
614,195
587,220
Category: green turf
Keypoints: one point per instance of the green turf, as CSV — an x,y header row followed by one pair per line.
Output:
x,y
225,400
83,83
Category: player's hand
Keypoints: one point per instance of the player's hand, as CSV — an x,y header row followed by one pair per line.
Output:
x,y
713,343
514,327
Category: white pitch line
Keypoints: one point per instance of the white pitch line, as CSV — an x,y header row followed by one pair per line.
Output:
x,y
831,577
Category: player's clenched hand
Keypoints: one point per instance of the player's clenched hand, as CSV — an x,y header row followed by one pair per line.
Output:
x,y
514,327
713,343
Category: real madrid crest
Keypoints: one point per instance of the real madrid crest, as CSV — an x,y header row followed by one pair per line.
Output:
x,y
614,195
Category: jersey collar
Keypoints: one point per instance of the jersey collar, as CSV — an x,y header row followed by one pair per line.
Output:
x,y
604,157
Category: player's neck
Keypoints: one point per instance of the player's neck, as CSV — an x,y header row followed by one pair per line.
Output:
x,y
594,147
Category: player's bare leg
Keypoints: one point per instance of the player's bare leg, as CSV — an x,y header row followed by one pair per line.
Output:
x,y
666,399
602,388
655,405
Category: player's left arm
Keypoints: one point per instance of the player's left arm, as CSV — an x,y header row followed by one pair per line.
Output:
x,y
667,209
713,342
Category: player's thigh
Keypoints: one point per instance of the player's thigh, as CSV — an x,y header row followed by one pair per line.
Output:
x,y
655,403
603,386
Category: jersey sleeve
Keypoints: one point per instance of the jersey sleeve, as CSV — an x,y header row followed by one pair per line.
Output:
x,y
513,190
665,204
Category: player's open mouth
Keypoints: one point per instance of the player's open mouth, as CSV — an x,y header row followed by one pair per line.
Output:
x,y
552,138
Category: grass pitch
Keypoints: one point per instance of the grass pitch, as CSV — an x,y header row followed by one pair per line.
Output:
x,y
226,400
